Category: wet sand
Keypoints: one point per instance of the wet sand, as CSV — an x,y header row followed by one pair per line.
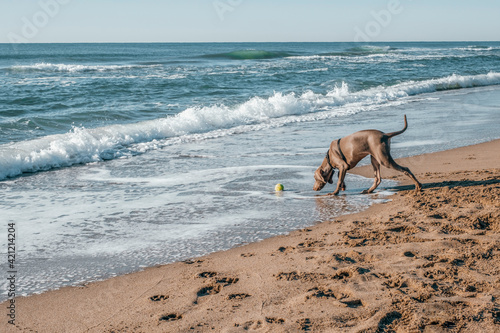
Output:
x,y
423,262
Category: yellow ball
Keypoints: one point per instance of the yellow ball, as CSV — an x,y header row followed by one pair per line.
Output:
x,y
279,187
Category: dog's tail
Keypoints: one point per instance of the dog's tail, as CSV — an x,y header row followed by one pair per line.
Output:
x,y
390,135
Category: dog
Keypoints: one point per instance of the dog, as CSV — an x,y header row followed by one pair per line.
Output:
x,y
345,153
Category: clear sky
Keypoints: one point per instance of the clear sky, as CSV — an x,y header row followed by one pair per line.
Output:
x,y
248,20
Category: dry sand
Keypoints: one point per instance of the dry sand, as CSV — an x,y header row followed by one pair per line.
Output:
x,y
426,262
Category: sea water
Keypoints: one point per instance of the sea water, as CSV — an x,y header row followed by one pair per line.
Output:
x,y
116,157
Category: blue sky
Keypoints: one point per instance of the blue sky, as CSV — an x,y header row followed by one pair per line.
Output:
x,y
248,20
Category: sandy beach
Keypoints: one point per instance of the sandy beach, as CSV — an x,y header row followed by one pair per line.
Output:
x,y
421,262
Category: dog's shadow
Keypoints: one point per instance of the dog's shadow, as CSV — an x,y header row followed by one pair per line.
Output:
x,y
450,184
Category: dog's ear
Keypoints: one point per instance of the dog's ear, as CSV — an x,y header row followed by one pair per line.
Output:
x,y
318,175
325,177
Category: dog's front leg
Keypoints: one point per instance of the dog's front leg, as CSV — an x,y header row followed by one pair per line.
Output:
x,y
340,182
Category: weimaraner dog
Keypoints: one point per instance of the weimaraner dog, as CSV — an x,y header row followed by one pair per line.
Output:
x,y
345,153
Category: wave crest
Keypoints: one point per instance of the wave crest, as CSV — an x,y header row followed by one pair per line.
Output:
x,y
82,145
49,67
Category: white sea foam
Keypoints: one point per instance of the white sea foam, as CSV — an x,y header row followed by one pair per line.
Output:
x,y
379,58
176,76
387,55
82,145
42,66
477,48
314,70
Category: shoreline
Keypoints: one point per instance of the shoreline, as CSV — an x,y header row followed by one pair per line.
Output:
x,y
359,272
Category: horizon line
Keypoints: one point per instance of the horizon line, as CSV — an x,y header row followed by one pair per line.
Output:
x,y
241,42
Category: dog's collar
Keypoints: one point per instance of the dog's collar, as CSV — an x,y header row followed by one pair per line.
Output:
x,y
341,155
328,159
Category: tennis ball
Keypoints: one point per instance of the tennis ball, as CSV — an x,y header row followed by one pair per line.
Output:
x,y
279,187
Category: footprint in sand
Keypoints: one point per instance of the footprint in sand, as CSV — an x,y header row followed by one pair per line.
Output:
x,y
171,317
311,245
272,320
215,287
353,303
250,325
409,254
286,249
238,296
206,275
305,324
340,258
322,293
192,261
158,298
388,319
226,281
209,290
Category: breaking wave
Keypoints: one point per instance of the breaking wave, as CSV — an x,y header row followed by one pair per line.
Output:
x,y
49,67
82,145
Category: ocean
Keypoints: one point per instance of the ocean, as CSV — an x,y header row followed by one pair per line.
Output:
x,y
117,157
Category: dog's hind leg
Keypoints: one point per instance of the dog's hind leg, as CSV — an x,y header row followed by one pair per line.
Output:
x,y
376,172
390,163
383,156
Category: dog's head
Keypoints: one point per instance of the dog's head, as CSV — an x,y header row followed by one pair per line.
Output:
x,y
323,175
